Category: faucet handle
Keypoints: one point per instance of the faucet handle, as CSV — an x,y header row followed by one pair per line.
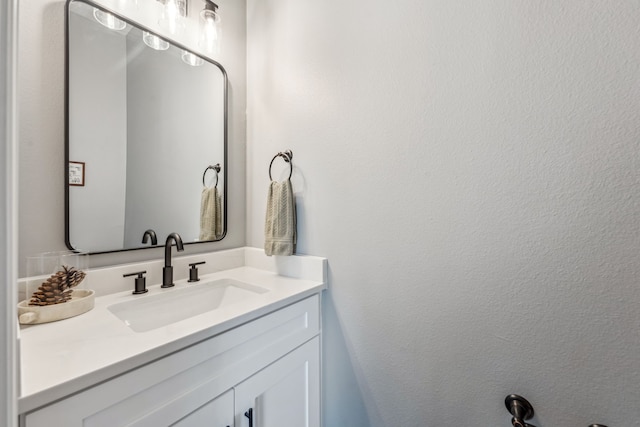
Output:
x,y
141,282
193,271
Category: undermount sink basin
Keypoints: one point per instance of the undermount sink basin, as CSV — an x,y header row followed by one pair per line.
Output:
x,y
149,312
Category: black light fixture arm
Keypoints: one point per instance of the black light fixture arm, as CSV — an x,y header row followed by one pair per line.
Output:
x,y
209,5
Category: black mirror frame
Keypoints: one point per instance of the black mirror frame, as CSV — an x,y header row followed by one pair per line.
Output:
x,y
66,127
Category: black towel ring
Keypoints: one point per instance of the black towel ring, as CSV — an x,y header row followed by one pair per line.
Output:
x,y
287,156
216,168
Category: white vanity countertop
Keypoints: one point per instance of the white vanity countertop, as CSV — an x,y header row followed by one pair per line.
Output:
x,y
64,357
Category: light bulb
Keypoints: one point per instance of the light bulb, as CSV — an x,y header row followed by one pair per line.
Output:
x,y
191,59
172,13
154,41
210,22
108,20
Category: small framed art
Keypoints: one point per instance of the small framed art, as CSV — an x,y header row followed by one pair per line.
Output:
x,y
76,174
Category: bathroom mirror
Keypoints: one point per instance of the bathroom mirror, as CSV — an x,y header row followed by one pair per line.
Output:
x,y
146,119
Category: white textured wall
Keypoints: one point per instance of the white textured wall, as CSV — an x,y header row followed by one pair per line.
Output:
x,y
41,127
472,171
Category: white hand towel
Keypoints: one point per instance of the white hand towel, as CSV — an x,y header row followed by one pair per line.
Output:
x,y
280,223
210,214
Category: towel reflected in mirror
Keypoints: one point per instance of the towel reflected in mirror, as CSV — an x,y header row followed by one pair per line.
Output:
x,y
210,214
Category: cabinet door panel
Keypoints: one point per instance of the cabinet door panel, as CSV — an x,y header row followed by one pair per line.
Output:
x,y
217,413
285,393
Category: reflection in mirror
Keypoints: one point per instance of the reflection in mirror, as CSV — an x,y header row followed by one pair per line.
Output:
x,y
146,118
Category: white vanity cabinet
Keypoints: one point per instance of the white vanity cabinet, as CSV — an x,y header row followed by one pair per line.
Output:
x,y
268,367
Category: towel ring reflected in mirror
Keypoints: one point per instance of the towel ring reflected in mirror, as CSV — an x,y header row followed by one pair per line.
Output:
x,y
215,168
287,156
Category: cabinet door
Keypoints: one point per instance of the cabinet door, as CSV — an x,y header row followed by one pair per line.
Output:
x,y
285,393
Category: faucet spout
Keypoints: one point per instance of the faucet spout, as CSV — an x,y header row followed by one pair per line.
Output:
x,y
150,234
167,271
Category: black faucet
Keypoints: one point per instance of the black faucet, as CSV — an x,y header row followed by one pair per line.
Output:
x,y
152,234
167,271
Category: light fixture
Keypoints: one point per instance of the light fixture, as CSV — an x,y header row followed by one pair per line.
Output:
x,y
154,41
210,23
172,14
108,20
191,59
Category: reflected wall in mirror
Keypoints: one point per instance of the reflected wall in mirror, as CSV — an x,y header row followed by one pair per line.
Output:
x,y
147,118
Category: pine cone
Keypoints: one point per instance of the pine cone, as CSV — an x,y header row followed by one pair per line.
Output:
x,y
57,288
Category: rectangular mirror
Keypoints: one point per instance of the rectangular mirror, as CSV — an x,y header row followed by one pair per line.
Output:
x,y
146,126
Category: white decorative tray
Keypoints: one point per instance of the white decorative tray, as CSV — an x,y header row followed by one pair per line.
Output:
x,y
82,300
